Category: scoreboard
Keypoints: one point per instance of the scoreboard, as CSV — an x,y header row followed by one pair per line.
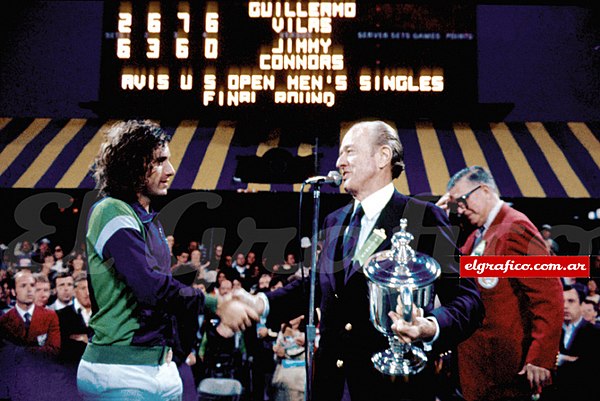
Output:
x,y
309,56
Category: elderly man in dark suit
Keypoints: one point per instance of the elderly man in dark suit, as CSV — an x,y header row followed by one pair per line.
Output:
x,y
512,356
370,157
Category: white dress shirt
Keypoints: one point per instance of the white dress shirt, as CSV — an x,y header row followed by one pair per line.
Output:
x,y
58,305
569,330
85,314
372,206
22,312
492,216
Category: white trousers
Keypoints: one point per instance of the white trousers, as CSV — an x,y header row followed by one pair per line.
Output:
x,y
101,381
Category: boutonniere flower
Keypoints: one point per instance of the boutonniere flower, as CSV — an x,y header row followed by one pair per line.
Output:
x,y
375,239
478,251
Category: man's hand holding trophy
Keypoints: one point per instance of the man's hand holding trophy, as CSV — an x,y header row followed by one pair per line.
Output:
x,y
400,285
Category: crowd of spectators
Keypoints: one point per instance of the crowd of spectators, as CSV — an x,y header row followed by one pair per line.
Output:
x,y
250,357
38,278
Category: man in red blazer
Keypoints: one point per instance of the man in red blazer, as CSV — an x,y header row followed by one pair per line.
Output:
x,y
512,355
29,341
29,325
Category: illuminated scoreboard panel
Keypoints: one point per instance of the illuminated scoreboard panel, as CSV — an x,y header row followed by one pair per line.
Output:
x,y
219,55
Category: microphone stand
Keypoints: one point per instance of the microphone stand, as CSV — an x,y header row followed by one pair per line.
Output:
x,y
311,332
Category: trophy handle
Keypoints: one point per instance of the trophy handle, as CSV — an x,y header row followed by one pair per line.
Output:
x,y
407,304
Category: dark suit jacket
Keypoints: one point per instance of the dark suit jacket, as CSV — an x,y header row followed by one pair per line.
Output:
x,y
44,333
348,338
578,380
71,323
523,317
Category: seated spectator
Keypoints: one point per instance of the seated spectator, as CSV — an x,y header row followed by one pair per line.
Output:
x,y
196,262
29,325
42,289
171,244
287,267
546,232
216,259
23,250
74,322
289,379
182,256
290,259
263,283
43,248
220,277
589,311
77,264
226,274
60,264
224,288
7,297
74,332
47,264
64,291
592,287
251,281
30,339
240,265
237,284
251,259
192,246
227,262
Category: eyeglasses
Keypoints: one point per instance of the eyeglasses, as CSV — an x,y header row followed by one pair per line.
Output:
x,y
461,201
58,250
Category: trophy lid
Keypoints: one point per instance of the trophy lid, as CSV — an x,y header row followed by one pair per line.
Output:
x,y
401,265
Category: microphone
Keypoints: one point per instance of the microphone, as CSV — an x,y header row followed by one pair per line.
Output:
x,y
333,178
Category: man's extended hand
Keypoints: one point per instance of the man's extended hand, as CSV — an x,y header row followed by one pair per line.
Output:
x,y
235,316
419,328
253,301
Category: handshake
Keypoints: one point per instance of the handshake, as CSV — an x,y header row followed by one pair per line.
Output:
x,y
237,311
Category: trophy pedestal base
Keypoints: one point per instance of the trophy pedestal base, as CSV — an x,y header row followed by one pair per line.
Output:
x,y
397,364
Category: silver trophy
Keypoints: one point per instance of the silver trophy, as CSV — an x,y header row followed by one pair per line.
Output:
x,y
399,278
